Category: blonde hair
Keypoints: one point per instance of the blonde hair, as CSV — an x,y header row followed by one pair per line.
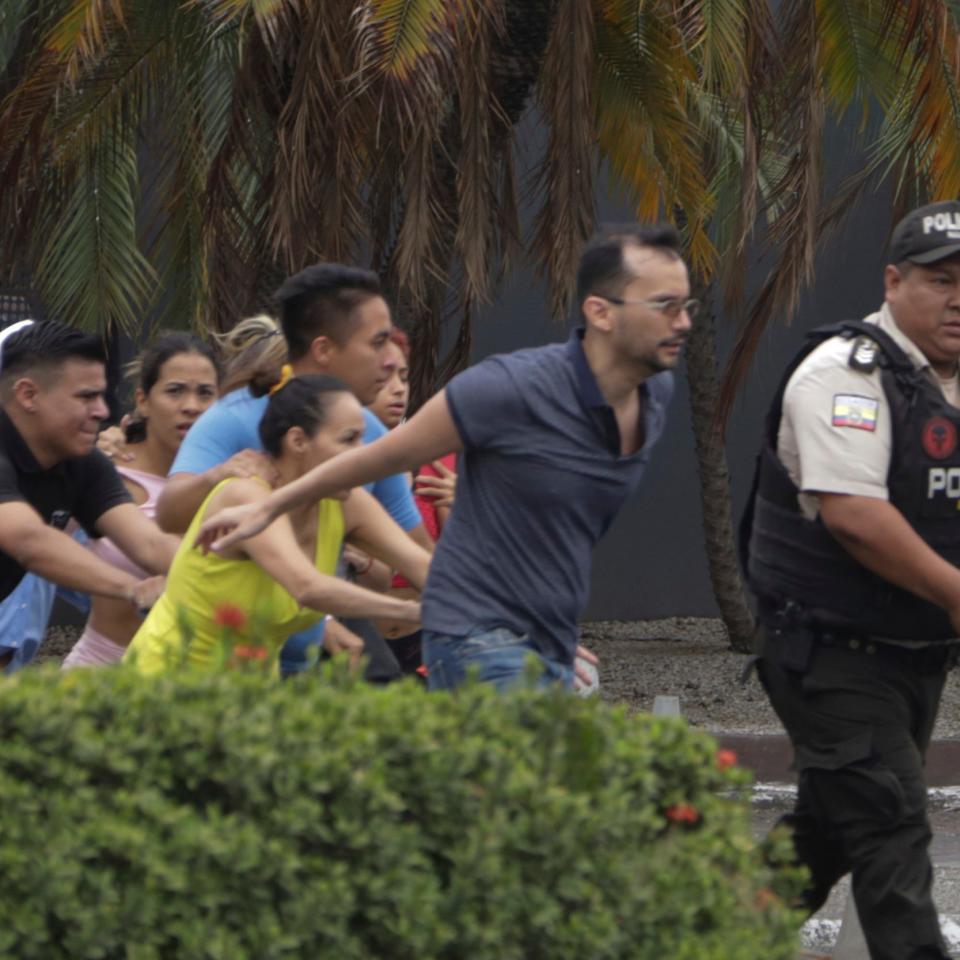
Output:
x,y
254,350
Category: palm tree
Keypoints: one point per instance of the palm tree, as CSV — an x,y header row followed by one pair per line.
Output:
x,y
189,152
177,157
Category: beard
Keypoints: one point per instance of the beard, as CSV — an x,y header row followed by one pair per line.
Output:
x,y
656,362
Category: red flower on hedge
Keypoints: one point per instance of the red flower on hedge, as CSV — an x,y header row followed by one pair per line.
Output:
x,y
764,897
682,813
726,759
229,617
248,652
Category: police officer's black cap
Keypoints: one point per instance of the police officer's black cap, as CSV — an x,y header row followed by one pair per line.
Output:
x,y
927,234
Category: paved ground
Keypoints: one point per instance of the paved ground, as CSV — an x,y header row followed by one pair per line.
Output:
x,y
820,933
769,756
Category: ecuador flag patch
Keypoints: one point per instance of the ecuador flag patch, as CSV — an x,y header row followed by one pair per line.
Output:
x,y
850,410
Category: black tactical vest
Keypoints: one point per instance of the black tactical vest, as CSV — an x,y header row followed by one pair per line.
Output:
x,y
789,558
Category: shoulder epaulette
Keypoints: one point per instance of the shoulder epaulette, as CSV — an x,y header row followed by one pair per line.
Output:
x,y
864,354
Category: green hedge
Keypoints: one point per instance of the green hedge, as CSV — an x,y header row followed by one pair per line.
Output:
x,y
236,817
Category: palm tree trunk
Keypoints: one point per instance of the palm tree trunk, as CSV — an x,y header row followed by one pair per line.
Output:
x,y
721,550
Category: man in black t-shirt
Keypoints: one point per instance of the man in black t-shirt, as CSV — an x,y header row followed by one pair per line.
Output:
x,y
52,386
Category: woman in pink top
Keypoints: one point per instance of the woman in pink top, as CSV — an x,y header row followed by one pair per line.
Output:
x,y
177,380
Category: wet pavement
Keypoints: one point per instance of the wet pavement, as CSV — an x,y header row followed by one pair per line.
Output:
x,y
769,757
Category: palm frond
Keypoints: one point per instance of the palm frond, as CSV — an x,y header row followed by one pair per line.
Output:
x,y
323,136
174,241
231,13
736,158
645,130
418,237
401,35
17,17
481,119
82,34
849,194
566,217
852,54
716,32
187,134
46,120
936,134
793,233
406,49
761,154
91,272
243,270
508,212
246,255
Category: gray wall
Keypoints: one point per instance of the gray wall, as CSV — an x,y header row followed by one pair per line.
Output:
x,y
652,562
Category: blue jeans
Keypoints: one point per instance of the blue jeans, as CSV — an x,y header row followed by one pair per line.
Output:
x,y
498,656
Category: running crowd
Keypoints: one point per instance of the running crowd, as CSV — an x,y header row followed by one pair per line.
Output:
x,y
297,426
276,474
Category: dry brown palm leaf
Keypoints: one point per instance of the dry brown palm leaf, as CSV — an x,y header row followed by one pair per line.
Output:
x,y
271,16
424,321
405,87
304,137
459,356
566,176
25,113
508,212
83,33
516,57
415,262
319,165
479,115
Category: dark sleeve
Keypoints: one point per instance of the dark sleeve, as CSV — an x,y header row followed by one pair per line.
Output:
x,y
484,402
9,491
99,488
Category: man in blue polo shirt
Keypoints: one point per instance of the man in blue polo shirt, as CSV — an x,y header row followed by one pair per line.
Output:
x,y
554,440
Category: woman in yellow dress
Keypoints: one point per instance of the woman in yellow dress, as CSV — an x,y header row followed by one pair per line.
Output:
x,y
281,581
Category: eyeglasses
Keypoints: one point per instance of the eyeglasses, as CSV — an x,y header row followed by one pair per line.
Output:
x,y
670,306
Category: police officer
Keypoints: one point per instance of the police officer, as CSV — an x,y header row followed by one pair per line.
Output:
x,y
851,542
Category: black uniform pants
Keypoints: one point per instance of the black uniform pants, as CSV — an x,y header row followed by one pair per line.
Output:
x,y
860,716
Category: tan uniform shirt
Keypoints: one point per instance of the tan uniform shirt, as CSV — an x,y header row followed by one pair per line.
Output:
x,y
835,432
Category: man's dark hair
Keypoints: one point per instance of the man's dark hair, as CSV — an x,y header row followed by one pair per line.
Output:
x,y
602,270
318,302
46,346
